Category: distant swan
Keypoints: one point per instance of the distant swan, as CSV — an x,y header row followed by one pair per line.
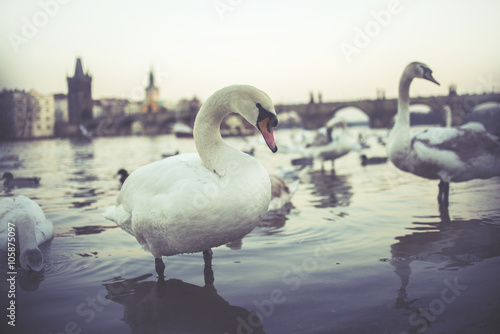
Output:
x,y
447,154
340,142
32,228
11,182
190,203
476,126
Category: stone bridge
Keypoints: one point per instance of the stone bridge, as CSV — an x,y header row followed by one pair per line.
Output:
x,y
142,123
314,115
382,111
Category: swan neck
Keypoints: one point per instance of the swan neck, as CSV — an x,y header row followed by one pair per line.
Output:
x,y
206,131
403,115
448,118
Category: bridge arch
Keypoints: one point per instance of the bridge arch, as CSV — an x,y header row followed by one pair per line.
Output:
x,y
124,126
353,115
426,114
166,125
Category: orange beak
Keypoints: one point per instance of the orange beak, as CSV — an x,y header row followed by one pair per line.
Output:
x,y
267,132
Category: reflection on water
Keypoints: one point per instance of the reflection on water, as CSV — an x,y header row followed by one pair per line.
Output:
x,y
173,306
330,190
443,244
358,251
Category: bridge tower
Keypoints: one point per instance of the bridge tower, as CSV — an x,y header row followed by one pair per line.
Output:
x,y
80,96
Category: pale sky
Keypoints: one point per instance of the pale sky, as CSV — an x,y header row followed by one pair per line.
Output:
x,y
288,48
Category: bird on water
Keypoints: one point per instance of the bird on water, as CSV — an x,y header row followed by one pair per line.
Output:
x,y
445,154
193,202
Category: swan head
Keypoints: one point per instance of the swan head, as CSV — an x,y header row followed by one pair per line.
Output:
x,y
30,256
258,109
31,259
420,70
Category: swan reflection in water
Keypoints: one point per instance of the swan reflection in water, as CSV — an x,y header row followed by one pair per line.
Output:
x,y
173,306
446,244
330,189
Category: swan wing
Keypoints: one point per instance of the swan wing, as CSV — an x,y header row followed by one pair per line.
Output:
x,y
177,205
465,143
166,188
454,154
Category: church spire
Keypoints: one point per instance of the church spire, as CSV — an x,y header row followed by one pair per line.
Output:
x,y
151,79
78,69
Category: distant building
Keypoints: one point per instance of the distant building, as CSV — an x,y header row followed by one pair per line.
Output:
x,y
111,106
80,96
14,111
61,108
187,110
151,104
97,110
43,114
26,115
133,108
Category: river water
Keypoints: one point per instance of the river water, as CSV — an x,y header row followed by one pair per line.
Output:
x,y
363,250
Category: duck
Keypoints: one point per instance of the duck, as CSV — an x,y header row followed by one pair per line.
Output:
x,y
372,161
11,182
305,161
192,202
281,193
445,154
168,155
32,228
10,161
123,174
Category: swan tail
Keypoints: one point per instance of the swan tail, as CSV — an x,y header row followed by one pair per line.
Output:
x,y
118,215
109,213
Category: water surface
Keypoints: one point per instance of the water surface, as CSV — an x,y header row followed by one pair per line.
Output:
x,y
363,250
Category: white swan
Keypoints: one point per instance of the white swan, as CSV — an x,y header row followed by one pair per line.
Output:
x,y
340,142
192,202
447,154
31,229
448,118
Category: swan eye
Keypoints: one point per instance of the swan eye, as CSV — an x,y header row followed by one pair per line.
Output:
x,y
264,113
